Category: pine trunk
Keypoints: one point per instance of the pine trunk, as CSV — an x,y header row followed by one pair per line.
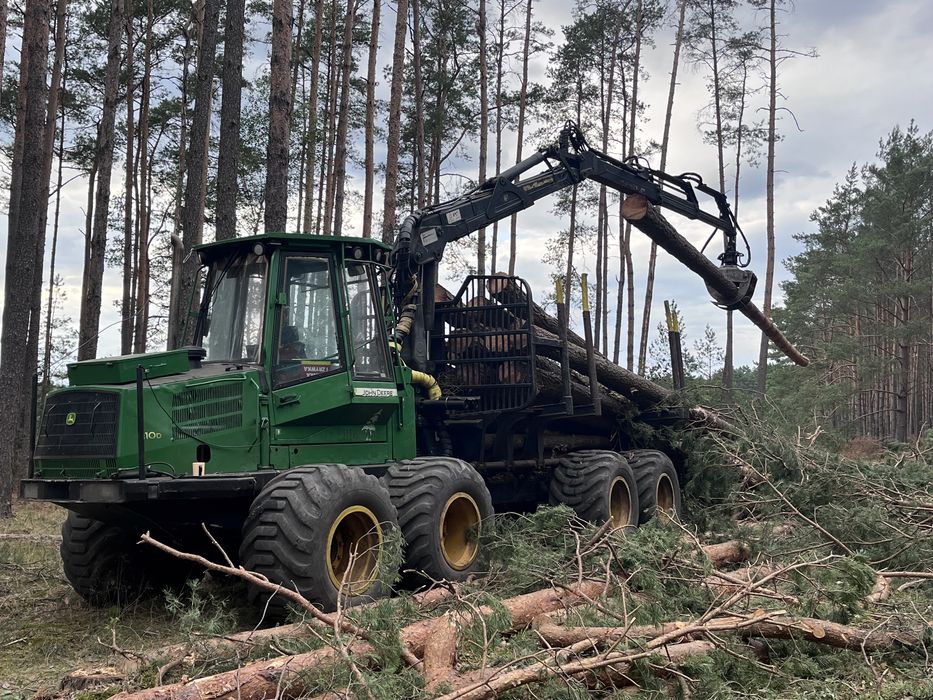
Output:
x,y
370,165
665,139
772,138
276,191
55,91
421,193
94,277
309,225
522,100
145,202
627,252
483,128
196,169
126,305
228,152
343,120
4,14
50,305
607,91
395,123
17,367
500,58
333,80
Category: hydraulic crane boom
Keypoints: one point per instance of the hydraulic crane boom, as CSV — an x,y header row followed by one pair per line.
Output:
x,y
425,234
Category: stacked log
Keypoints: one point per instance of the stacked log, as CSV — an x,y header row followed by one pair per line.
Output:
x,y
617,383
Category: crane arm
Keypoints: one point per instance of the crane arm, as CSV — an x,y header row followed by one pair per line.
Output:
x,y
425,234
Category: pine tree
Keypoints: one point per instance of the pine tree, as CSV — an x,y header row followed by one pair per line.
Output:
x,y
278,146
94,272
228,151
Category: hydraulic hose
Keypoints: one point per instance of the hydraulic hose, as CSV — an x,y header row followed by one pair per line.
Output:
x,y
428,383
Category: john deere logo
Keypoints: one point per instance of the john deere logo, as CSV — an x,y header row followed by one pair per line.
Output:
x,y
71,418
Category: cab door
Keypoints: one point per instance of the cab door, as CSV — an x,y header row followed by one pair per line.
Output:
x,y
372,377
333,397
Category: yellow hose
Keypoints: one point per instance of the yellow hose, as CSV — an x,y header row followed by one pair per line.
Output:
x,y
428,383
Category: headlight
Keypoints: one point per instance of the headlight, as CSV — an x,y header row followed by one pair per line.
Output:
x,y
101,492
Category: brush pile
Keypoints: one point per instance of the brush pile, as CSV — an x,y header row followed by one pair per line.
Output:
x,y
798,573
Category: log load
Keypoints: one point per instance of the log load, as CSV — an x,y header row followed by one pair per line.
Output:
x,y
642,391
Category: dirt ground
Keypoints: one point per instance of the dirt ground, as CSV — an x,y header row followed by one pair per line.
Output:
x,y
48,630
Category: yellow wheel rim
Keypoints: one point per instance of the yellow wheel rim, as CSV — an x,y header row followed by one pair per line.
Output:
x,y
459,529
354,545
620,503
664,496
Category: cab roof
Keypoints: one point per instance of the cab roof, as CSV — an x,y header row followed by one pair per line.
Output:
x,y
369,249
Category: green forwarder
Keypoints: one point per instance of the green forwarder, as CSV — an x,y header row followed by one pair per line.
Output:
x,y
335,393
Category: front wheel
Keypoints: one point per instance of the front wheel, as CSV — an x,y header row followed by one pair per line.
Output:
x,y
443,505
320,530
106,564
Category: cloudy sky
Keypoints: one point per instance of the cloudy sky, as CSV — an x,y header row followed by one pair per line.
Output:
x,y
874,71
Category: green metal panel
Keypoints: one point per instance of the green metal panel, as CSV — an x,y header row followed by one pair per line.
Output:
x,y
122,370
231,419
220,414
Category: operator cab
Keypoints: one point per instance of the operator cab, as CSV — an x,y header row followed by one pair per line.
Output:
x,y
279,301
310,312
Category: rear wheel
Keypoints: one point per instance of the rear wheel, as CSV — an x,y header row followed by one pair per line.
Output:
x,y
599,485
105,564
320,530
658,485
442,505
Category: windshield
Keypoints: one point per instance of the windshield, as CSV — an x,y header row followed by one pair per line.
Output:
x,y
235,298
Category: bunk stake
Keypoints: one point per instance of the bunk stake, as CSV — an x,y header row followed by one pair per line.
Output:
x,y
563,321
673,339
590,351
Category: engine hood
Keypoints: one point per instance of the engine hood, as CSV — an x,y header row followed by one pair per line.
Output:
x,y
122,369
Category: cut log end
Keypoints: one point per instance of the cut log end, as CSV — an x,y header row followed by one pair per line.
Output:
x,y
635,207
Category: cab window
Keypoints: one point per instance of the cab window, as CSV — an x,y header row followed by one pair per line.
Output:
x,y
370,360
235,296
307,342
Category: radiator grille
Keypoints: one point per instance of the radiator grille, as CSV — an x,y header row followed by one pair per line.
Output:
x,y
76,468
486,347
207,409
79,424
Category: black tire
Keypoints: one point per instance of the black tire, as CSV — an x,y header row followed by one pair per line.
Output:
x,y
599,485
443,505
657,484
303,527
105,564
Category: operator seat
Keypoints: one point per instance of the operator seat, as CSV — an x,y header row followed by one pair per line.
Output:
x,y
291,347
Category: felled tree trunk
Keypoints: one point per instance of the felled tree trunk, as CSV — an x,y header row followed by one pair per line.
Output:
x,y
551,389
284,676
647,219
440,654
730,552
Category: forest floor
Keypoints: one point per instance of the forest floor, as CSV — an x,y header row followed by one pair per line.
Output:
x,y
821,525
47,630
